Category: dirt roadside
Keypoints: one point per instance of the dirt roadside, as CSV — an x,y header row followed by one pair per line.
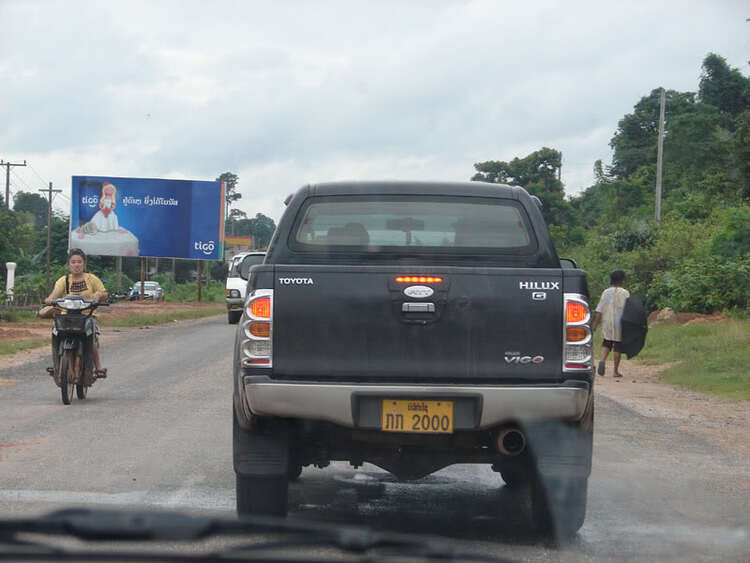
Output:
x,y
715,419
40,329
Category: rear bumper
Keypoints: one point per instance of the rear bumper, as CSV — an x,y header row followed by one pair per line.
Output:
x,y
337,403
234,303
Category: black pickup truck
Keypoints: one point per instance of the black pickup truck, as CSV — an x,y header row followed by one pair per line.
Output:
x,y
415,325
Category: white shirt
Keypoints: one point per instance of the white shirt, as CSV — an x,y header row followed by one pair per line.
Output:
x,y
610,306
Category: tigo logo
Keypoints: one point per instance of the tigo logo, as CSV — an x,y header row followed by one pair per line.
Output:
x,y
206,248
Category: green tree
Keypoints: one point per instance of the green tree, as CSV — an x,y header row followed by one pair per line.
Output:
x,y
634,142
231,194
741,153
537,173
722,86
16,239
34,204
235,215
262,228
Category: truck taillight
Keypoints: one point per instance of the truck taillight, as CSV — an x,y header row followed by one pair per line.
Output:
x,y
257,329
576,312
577,337
260,308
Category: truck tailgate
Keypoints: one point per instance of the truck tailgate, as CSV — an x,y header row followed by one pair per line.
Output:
x,y
359,323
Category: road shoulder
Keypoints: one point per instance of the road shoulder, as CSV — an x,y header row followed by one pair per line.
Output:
x,y
715,419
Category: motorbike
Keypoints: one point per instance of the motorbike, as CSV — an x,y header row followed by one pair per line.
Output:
x,y
73,335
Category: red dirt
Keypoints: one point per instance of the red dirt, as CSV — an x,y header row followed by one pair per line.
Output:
x,y
685,318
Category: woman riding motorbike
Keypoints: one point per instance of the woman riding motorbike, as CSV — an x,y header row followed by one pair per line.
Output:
x,y
88,286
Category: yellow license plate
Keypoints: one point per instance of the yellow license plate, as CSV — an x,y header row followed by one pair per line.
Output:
x,y
421,417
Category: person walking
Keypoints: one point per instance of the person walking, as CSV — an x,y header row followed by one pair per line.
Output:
x,y
609,316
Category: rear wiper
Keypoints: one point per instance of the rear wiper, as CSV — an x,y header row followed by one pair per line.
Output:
x,y
152,526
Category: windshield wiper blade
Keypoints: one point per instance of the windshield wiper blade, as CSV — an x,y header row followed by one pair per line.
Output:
x,y
154,526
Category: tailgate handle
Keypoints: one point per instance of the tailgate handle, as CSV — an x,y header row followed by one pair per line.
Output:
x,y
418,308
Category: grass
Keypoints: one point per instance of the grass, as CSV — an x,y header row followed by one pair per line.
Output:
x,y
16,346
158,318
10,316
713,358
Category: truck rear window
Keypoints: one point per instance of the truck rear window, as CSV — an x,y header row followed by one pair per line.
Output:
x,y
378,223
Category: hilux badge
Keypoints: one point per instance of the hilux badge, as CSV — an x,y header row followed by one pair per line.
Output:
x,y
418,291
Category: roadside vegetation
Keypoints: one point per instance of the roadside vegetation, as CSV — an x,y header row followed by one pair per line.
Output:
x,y
13,346
711,357
698,258
162,317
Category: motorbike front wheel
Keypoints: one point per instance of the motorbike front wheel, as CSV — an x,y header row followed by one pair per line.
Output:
x,y
67,375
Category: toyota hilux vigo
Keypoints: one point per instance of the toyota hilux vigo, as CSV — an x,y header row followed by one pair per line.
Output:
x,y
414,326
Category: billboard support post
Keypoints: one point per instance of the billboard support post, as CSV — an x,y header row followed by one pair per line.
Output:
x,y
200,275
118,269
143,278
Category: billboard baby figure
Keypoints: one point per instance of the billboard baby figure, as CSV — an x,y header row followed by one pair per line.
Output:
x,y
105,219
102,234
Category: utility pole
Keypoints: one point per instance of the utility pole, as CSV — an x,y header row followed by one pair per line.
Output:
x,y
7,179
49,191
660,157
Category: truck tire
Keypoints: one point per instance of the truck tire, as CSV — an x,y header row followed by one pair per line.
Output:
x,y
233,317
559,505
262,495
261,466
514,478
295,470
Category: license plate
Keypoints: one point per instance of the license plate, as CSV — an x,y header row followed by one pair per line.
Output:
x,y
420,417
235,307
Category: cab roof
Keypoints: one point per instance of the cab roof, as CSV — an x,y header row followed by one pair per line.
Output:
x,y
477,189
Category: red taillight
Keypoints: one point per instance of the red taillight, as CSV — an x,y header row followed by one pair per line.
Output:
x,y
261,308
575,312
265,361
419,279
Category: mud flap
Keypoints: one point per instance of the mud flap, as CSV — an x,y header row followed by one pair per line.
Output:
x,y
261,452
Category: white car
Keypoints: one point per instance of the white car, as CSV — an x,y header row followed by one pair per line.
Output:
x,y
151,290
237,282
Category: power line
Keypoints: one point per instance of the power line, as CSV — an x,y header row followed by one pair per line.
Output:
x,y
37,175
18,177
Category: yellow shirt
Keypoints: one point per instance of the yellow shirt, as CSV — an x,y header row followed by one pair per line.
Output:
x,y
93,284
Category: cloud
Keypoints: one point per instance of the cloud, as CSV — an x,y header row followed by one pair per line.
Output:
x,y
296,92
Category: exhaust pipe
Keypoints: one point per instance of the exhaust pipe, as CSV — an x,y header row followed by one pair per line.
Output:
x,y
511,441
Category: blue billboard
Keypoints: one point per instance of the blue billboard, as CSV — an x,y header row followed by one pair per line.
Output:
x,y
147,217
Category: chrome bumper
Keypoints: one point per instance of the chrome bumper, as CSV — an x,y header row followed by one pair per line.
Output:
x,y
334,402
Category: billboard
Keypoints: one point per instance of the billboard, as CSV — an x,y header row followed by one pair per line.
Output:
x,y
147,217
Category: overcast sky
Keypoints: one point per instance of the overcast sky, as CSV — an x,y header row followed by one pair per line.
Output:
x,y
285,93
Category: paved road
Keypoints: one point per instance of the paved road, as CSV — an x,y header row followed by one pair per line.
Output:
x,y
157,433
